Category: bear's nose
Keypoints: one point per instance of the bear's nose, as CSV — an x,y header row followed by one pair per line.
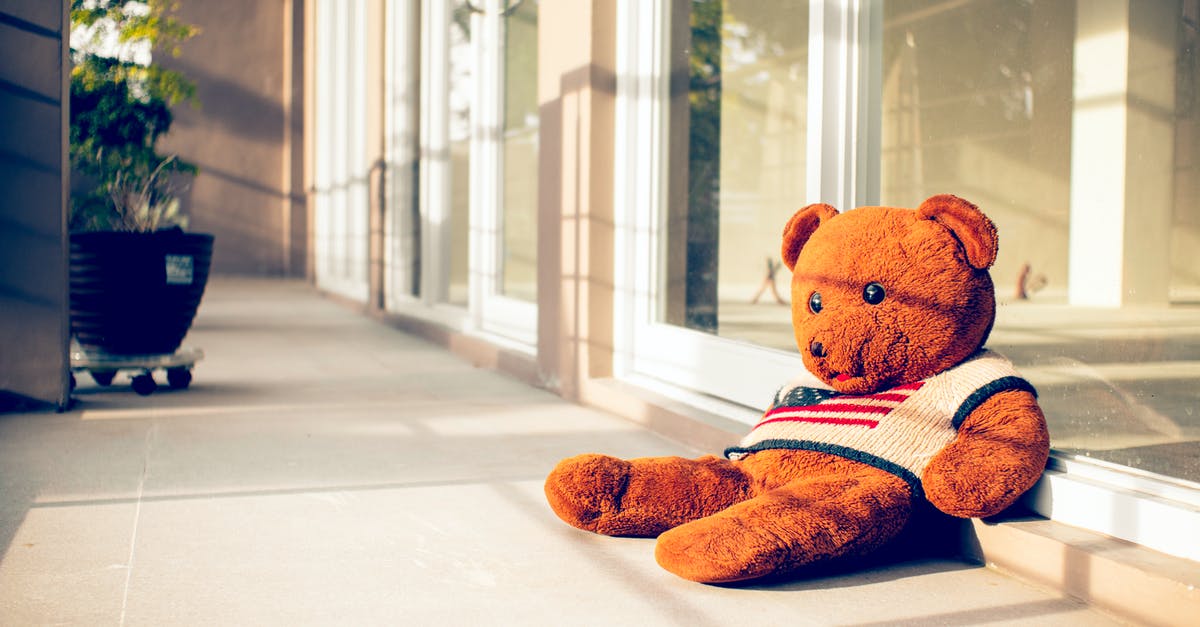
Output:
x,y
817,349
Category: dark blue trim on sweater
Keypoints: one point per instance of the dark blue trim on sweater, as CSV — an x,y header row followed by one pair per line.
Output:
x,y
977,397
841,451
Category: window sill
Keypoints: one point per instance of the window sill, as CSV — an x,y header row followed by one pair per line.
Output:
x,y
1126,579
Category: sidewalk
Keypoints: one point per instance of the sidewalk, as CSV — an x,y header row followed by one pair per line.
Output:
x,y
326,469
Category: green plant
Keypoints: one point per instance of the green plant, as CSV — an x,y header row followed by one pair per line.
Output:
x,y
120,106
146,202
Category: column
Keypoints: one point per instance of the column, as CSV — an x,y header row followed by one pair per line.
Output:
x,y
1122,152
576,97
33,218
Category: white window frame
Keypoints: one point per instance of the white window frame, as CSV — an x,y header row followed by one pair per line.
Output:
x,y
401,86
492,311
741,373
340,168
1147,509
435,174
737,378
488,312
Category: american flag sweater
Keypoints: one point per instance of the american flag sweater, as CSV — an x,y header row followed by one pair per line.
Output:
x,y
897,430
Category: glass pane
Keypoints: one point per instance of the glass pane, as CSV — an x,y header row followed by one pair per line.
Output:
x,y
462,92
1076,131
741,132
977,102
519,211
403,210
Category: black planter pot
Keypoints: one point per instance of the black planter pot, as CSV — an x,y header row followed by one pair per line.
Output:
x,y
136,293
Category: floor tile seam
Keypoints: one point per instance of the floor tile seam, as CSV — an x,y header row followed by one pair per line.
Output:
x,y
137,517
142,498
188,411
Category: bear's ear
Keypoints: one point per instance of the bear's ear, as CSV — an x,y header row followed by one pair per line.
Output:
x,y
974,231
801,227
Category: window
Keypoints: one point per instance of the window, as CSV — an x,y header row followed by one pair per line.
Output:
x,y
461,137
448,96
718,151
1090,181
504,147
1074,128
341,168
518,261
744,121
463,76
402,223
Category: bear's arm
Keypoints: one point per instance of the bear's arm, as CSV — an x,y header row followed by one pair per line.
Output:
x,y
1000,452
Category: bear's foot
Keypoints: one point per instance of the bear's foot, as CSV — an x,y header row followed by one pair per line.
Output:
x,y
585,491
641,497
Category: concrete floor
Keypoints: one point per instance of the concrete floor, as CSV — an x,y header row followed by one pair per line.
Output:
x,y
326,469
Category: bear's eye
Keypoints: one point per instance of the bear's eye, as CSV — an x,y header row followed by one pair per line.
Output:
x,y
814,302
874,293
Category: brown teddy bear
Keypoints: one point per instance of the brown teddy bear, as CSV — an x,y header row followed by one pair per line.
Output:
x,y
891,308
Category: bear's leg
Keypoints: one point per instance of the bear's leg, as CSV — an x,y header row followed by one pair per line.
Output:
x,y
642,497
809,520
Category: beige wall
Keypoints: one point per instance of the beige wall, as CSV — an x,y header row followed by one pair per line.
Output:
x,y
246,135
33,153
576,99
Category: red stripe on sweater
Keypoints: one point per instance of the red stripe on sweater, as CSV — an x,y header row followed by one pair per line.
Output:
x,y
857,422
833,408
885,396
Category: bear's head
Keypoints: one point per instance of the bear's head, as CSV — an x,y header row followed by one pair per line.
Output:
x,y
884,296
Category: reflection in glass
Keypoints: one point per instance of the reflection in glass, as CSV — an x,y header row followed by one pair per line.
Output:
x,y
977,102
1016,107
743,129
518,277
462,92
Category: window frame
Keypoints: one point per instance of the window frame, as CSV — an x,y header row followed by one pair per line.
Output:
x,y
487,312
739,372
401,129
340,170
492,311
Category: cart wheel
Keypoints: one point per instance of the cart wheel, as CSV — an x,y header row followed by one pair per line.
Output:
x,y
179,378
103,377
144,384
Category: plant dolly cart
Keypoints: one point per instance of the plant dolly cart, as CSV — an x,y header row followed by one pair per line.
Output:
x,y
104,367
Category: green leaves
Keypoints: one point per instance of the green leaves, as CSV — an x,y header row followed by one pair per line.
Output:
x,y
119,109
133,20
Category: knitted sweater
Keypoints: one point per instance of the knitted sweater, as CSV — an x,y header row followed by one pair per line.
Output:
x,y
897,430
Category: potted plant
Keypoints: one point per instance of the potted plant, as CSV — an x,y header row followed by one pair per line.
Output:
x,y
136,276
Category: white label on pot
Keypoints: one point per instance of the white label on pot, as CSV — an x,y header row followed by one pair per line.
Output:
x,y
179,269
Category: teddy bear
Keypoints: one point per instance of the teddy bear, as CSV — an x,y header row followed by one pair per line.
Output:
x,y
901,408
